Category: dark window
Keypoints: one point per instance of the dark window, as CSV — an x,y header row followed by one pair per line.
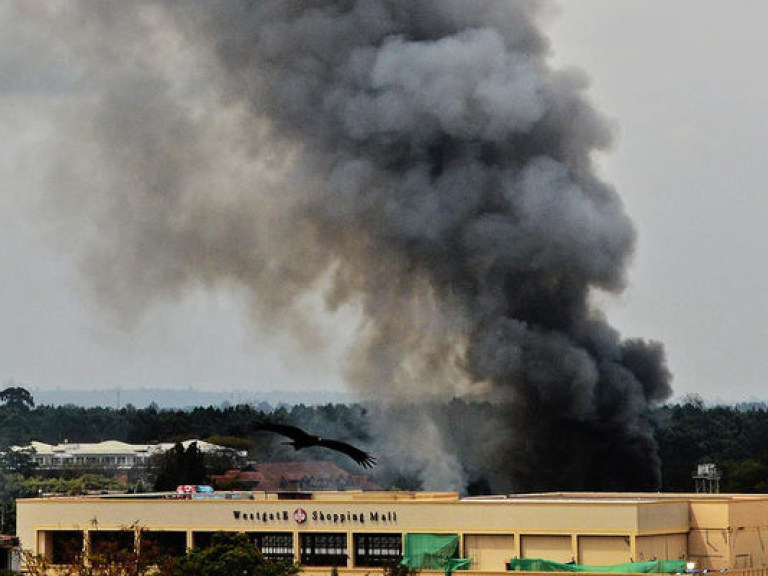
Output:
x,y
67,546
110,543
161,543
373,550
328,549
275,546
202,539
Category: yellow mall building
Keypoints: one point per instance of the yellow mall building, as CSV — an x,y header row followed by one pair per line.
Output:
x,y
361,531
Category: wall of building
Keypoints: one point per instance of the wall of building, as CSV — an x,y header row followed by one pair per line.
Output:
x,y
667,546
604,550
556,547
489,552
725,532
749,533
662,517
709,549
419,516
749,546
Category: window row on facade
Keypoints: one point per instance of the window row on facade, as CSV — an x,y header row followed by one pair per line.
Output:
x,y
315,549
489,552
46,461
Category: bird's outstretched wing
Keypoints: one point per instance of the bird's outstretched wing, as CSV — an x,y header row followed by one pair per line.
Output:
x,y
363,458
291,432
303,440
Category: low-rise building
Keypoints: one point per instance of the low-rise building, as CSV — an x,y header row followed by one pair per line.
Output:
x,y
110,454
10,559
358,531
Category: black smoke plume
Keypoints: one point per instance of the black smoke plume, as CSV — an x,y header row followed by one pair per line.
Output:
x,y
419,161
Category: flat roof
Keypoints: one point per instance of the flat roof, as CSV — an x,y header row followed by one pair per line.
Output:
x,y
319,496
616,497
362,497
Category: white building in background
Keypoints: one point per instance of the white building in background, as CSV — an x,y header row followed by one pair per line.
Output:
x,y
108,454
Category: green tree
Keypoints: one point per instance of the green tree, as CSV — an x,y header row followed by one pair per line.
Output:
x,y
17,398
749,476
110,559
179,466
230,553
17,460
398,569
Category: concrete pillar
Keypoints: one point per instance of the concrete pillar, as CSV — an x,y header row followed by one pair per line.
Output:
x,y
575,547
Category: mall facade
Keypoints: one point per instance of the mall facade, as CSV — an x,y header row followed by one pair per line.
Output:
x,y
361,531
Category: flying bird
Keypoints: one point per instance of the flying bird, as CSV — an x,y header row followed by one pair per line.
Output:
x,y
300,439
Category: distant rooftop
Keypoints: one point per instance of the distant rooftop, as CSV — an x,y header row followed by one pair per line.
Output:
x,y
113,447
110,453
308,475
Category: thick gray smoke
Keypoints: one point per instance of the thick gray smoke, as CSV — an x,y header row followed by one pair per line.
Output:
x,y
417,159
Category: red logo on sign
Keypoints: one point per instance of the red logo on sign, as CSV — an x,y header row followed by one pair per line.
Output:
x,y
300,515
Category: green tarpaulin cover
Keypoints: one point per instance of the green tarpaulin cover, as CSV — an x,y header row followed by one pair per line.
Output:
x,y
655,567
433,552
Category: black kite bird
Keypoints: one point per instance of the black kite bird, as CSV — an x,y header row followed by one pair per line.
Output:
x,y
300,439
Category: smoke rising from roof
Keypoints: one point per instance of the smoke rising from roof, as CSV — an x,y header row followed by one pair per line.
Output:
x,y
419,161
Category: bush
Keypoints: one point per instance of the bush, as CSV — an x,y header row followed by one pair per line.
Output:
x,y
230,553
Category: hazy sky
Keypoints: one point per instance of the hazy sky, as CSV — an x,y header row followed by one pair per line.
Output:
x,y
686,84
687,88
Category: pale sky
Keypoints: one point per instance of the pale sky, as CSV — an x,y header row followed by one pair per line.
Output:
x,y
686,86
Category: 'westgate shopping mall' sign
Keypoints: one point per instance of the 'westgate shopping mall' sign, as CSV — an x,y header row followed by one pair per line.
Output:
x,y
301,516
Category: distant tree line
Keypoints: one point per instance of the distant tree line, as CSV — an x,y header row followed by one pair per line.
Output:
x,y
22,422
56,424
735,438
689,432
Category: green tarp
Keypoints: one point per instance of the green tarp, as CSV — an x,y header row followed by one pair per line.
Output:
x,y
655,567
433,552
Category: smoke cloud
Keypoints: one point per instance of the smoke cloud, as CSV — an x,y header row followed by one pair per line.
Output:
x,y
419,161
